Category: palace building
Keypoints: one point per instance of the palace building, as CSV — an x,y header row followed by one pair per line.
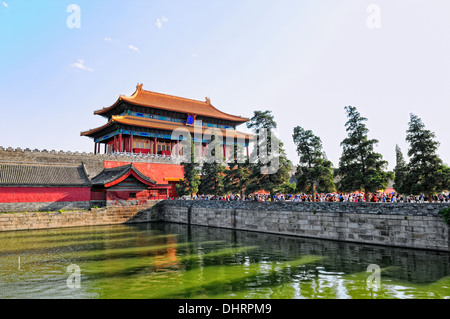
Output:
x,y
140,160
127,183
143,124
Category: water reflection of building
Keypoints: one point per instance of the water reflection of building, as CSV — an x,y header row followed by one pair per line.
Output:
x,y
168,259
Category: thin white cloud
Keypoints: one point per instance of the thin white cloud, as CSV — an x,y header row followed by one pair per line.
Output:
x,y
80,65
132,47
194,54
111,40
160,21
5,4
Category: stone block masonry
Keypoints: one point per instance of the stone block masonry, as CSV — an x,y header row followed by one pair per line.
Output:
x,y
43,207
93,217
391,224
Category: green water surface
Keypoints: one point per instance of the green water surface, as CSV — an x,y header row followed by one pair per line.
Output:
x,y
170,261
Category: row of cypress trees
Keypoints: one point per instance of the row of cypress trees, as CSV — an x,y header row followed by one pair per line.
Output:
x,y
360,168
241,176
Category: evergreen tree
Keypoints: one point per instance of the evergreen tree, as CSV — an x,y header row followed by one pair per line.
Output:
x,y
288,188
445,172
269,167
326,176
426,172
191,181
400,171
212,179
360,167
213,170
237,176
314,172
262,120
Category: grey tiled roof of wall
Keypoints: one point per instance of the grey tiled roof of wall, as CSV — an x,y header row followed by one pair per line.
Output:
x,y
42,175
111,174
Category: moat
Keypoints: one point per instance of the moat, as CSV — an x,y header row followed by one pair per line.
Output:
x,y
172,261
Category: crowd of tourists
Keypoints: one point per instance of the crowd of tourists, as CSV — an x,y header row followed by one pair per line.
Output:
x,y
374,198
331,197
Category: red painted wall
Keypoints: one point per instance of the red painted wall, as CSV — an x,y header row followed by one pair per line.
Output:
x,y
44,194
125,195
155,171
142,150
173,189
98,195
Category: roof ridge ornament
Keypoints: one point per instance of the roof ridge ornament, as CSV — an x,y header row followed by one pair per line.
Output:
x,y
208,100
139,87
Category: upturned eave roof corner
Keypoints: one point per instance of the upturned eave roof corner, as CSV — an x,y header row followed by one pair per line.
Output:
x,y
173,103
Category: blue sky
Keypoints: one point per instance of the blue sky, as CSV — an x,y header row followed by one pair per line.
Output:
x,y
303,59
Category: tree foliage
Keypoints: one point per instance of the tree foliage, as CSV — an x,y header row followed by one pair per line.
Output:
x,y
270,167
400,170
315,171
213,170
426,173
360,167
191,181
237,176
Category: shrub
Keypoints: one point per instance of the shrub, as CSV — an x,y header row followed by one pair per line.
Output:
x,y
445,214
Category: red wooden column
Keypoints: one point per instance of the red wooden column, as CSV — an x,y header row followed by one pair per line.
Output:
x,y
120,142
132,144
95,148
224,151
99,144
115,144
247,152
154,145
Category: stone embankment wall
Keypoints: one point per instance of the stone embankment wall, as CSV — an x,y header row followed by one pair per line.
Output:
x,y
391,224
94,217
44,206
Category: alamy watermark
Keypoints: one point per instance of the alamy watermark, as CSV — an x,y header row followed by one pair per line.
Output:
x,y
374,19
74,19
74,279
374,280
220,147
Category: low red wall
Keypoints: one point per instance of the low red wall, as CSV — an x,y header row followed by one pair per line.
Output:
x,y
125,195
98,195
44,194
